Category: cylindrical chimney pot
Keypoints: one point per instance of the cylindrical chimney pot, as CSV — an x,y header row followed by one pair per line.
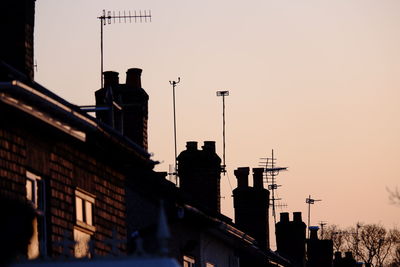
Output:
x,y
284,217
110,78
258,178
242,175
191,146
313,232
133,78
209,146
297,216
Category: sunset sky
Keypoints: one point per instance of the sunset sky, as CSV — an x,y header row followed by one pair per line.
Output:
x,y
318,81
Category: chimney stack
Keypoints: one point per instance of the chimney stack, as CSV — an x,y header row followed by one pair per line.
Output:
x,y
130,114
251,206
291,238
16,27
319,251
199,175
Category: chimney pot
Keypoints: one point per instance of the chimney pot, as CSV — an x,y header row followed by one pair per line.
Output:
x,y
313,232
110,78
209,146
258,178
284,217
297,216
133,78
242,174
191,146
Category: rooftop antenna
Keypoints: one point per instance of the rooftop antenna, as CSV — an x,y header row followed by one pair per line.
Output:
x,y
174,83
310,201
270,172
223,94
120,17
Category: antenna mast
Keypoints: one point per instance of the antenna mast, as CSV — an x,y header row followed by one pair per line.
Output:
x,y
174,83
223,94
270,172
120,17
310,201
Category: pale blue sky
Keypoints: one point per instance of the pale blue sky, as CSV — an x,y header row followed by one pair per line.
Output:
x,y
318,81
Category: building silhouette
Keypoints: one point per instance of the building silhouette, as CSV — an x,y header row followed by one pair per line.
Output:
x,y
291,238
319,252
251,205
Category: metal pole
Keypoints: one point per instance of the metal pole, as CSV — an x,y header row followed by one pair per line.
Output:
x,y
223,130
223,94
273,187
174,83
173,92
102,19
309,211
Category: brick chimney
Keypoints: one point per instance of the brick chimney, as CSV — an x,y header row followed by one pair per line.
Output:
x,y
291,238
17,22
127,103
319,252
251,205
199,175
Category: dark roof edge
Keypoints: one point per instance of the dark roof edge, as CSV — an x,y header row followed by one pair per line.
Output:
x,y
232,230
43,96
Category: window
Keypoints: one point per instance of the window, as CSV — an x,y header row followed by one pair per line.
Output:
x,y
84,228
36,194
188,261
84,208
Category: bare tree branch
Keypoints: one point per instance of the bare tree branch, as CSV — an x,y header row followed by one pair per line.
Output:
x,y
394,196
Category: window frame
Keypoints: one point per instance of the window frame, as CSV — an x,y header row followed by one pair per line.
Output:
x,y
86,197
190,260
84,226
38,200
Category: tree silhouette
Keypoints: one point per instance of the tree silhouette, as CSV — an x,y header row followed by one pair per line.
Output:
x,y
371,243
337,235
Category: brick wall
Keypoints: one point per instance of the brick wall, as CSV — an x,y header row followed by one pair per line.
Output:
x,y
70,168
64,164
12,161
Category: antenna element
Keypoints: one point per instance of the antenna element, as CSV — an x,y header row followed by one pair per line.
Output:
x,y
106,19
270,171
310,201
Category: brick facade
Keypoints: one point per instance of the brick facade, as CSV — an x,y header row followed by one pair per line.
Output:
x,y
64,164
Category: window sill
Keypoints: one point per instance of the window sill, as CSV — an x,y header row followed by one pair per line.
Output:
x,y
90,229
